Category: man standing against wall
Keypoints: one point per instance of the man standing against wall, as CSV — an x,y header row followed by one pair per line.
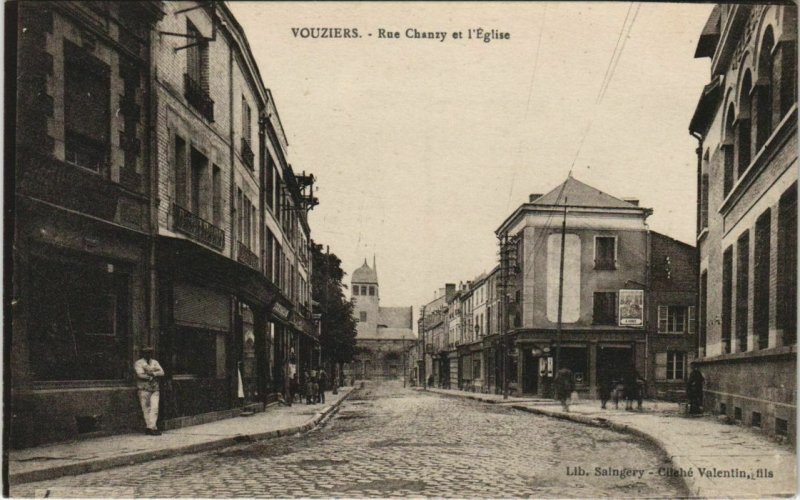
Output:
x,y
147,372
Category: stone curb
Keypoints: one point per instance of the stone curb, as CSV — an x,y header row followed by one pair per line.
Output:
x,y
147,456
692,488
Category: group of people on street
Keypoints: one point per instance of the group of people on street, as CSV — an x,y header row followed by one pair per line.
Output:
x,y
316,383
630,387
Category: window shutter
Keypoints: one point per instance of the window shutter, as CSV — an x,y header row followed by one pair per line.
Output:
x,y
661,366
691,320
662,318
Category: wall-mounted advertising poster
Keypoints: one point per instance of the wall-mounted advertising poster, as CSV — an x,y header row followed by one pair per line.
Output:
x,y
631,307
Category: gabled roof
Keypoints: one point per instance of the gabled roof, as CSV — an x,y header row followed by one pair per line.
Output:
x,y
579,194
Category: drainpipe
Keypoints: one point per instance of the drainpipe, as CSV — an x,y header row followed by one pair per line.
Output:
x,y
150,165
699,151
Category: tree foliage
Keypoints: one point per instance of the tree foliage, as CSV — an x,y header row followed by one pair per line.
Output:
x,y
338,336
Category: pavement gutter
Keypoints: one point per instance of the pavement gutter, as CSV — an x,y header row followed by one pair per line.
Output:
x,y
147,456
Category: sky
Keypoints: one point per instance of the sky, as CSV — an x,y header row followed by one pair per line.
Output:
x,y
423,147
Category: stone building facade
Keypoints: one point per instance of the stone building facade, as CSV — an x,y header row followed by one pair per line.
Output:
x,y
746,126
155,206
383,333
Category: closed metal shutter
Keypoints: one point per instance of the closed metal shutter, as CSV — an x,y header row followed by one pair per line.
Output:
x,y
201,307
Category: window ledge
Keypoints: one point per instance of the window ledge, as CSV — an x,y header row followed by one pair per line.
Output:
x,y
702,235
761,160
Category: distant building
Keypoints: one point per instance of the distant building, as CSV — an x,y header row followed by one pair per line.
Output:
x,y
383,333
746,125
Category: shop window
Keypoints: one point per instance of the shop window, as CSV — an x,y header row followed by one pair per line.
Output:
x,y
476,367
605,252
195,352
675,319
676,365
78,316
87,104
605,308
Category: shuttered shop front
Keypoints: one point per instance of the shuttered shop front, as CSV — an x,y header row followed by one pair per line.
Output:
x,y
202,308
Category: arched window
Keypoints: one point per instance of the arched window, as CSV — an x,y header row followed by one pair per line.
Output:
x,y
704,193
727,149
744,140
786,62
763,110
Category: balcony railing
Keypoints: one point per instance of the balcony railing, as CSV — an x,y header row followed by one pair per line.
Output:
x,y
247,154
247,257
201,230
198,97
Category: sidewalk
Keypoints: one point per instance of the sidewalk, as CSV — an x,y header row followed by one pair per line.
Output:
x,y
79,457
692,444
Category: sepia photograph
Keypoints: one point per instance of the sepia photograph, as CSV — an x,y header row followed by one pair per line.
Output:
x,y
581,218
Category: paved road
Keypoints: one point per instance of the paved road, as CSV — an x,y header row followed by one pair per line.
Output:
x,y
389,441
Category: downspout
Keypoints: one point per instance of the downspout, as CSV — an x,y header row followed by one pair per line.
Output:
x,y
151,166
697,315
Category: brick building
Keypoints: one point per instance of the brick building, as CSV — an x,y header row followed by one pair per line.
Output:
x,y
746,126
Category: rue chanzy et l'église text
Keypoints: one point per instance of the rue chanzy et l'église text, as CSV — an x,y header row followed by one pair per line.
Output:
x,y
480,34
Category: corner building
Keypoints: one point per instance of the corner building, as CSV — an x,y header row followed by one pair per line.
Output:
x,y
604,321
746,126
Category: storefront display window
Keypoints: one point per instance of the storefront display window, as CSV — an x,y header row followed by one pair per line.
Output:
x,y
78,314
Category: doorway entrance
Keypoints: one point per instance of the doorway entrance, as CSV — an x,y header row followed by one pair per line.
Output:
x,y
613,361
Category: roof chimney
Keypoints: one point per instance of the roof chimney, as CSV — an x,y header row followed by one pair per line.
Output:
x,y
632,201
534,197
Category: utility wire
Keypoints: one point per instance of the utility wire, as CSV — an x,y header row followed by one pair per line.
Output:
x,y
613,53
528,102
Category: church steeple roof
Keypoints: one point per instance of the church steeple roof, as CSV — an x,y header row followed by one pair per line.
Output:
x,y
365,274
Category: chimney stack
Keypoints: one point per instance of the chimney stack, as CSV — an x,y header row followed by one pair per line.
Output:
x,y
534,197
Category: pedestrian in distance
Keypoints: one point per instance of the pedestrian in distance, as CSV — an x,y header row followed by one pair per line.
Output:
x,y
694,390
294,389
632,388
309,388
604,389
322,381
618,392
148,372
564,386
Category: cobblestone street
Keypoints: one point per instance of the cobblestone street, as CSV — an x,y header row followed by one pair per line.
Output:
x,y
390,441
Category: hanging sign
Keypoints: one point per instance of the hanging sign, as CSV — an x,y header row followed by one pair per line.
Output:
x,y
631,307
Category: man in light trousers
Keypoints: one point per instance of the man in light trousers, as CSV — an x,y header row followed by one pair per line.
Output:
x,y
147,372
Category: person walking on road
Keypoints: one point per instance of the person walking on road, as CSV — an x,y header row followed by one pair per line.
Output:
x,y
604,389
694,390
322,382
564,387
148,372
